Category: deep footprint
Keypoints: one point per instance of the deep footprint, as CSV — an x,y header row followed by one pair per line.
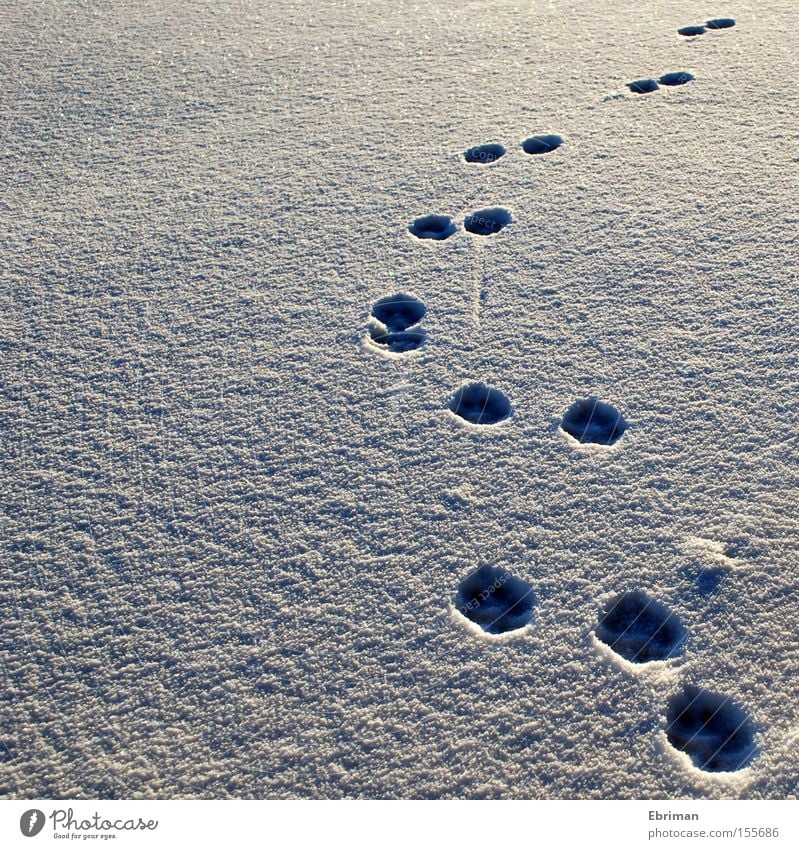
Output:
x,y
480,404
541,144
643,86
484,153
495,600
720,23
438,227
399,342
717,734
676,78
693,30
589,420
641,629
484,222
398,312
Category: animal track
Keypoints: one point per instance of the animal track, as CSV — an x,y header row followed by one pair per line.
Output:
x,y
692,30
484,153
438,227
541,144
397,342
643,86
641,629
720,23
676,78
484,222
495,600
398,312
711,729
392,318
480,404
592,421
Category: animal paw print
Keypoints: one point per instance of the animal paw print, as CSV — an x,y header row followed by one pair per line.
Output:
x,y
495,600
394,326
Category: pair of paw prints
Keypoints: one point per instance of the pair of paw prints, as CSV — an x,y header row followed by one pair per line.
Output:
x,y
485,154
646,86
481,222
713,24
712,730
588,421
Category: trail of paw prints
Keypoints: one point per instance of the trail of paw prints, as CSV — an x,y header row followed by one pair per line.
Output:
x,y
394,325
700,29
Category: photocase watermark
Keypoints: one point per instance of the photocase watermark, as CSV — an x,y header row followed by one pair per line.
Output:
x,y
66,826
31,822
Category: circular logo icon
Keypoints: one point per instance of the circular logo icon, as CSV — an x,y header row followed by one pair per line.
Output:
x,y
31,822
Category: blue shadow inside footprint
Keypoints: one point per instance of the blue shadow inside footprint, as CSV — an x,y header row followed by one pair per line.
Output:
x,y
484,222
484,154
711,729
693,30
641,629
676,78
589,420
720,23
496,600
643,86
398,312
541,144
398,342
480,404
437,227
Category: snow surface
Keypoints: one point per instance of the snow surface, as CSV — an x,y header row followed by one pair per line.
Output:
x,y
233,529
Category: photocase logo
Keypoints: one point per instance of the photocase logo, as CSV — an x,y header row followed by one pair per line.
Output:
x,y
31,822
